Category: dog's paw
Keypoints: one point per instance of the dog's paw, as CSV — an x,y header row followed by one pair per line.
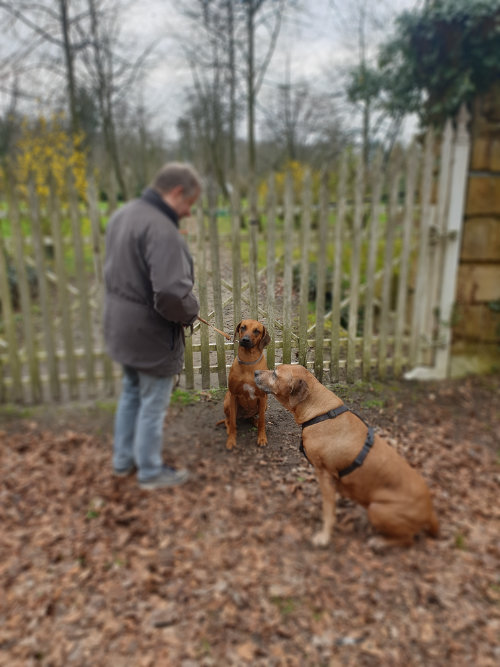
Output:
x,y
262,440
321,539
231,443
380,545
377,544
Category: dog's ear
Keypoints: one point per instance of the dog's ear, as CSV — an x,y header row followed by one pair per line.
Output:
x,y
265,339
237,330
298,393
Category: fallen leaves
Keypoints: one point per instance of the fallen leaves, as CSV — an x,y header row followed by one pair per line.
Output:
x,y
221,571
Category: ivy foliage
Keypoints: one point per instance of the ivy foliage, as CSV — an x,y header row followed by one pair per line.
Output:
x,y
443,54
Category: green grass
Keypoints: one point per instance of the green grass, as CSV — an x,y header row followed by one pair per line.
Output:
x,y
105,406
191,396
182,397
205,648
286,606
374,403
9,413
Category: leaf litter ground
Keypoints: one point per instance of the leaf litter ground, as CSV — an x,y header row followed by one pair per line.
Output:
x,y
94,571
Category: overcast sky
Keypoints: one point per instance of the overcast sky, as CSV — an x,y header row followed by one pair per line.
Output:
x,y
317,43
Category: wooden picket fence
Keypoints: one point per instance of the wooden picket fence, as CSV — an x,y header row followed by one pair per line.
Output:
x,y
346,274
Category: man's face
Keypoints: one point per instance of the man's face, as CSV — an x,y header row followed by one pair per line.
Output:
x,y
179,202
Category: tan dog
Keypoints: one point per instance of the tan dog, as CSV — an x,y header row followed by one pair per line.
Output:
x,y
395,496
243,398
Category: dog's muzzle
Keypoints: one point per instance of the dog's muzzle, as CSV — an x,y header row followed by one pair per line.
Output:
x,y
264,388
246,342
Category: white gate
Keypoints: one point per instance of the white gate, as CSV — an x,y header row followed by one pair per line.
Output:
x,y
436,283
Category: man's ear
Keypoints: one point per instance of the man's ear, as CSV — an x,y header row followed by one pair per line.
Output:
x,y
177,191
298,393
265,339
173,195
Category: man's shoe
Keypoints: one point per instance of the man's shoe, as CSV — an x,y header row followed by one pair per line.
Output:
x,y
167,478
124,472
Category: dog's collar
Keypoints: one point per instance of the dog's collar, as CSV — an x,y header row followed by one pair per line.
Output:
x,y
250,363
332,414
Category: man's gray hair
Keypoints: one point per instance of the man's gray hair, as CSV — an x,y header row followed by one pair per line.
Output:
x,y
173,174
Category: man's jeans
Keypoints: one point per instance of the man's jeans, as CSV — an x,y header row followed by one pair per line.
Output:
x,y
139,420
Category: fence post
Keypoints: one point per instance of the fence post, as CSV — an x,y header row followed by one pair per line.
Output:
x,y
437,236
82,283
62,289
287,272
355,271
337,271
19,258
453,232
390,233
7,313
253,229
45,303
203,294
236,256
271,271
377,180
304,267
321,283
418,325
402,296
216,282
98,253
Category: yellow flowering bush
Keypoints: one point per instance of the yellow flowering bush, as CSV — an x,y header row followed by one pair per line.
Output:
x,y
46,149
298,171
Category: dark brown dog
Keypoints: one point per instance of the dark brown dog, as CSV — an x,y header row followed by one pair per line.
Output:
x,y
395,496
243,398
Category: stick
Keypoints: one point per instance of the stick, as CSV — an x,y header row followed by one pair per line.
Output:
x,y
218,330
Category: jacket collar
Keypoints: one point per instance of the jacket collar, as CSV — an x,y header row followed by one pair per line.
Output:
x,y
154,198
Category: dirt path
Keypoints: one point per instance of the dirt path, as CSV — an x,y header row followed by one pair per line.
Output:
x,y
94,571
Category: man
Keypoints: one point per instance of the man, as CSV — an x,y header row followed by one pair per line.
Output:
x,y
148,275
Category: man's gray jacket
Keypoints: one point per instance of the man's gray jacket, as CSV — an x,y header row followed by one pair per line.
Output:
x,y
149,277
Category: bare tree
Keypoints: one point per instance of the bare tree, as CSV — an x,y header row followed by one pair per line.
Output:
x,y
111,73
288,113
213,110
227,66
362,23
260,16
302,124
48,24
81,42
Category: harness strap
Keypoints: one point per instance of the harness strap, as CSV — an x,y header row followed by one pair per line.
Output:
x,y
358,461
332,414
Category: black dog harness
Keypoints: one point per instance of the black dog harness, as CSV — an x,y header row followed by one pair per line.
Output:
x,y
332,414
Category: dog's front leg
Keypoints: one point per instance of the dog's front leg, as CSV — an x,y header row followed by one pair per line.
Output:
x,y
231,422
327,489
261,427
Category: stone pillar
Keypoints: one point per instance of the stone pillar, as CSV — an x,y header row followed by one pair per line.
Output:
x,y
476,325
